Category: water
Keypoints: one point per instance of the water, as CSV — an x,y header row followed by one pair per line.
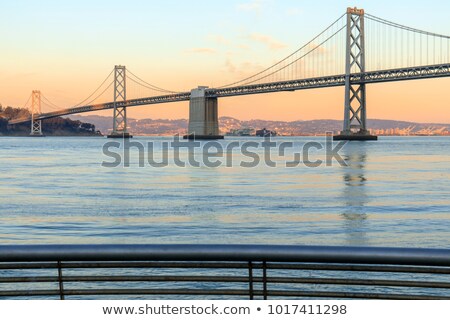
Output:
x,y
395,192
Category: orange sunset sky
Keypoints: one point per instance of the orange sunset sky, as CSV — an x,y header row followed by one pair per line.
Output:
x,y
65,50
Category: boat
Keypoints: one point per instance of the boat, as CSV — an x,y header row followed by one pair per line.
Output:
x,y
265,133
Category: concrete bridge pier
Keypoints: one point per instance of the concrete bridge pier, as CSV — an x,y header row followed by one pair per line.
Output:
x,y
203,117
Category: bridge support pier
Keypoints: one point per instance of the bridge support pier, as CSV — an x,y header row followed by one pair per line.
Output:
x,y
203,117
36,125
355,93
120,108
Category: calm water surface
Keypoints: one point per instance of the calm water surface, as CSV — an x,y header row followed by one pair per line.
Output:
x,y
395,192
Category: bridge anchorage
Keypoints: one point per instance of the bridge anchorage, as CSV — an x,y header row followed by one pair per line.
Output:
x,y
120,106
355,93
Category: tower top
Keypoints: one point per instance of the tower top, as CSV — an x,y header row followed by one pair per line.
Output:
x,y
355,10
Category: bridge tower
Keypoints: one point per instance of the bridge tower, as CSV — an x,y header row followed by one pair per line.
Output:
x,y
120,109
36,125
355,127
203,117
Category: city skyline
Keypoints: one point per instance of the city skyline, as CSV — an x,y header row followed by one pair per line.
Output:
x,y
58,47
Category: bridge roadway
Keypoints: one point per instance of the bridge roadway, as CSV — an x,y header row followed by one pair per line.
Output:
x,y
401,74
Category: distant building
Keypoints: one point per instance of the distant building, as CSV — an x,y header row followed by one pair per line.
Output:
x,y
246,132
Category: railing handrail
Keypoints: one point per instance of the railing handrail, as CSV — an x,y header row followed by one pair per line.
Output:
x,y
221,252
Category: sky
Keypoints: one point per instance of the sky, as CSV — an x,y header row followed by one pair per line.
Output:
x,y
66,48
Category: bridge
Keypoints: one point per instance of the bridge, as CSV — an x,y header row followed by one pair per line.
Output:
x,y
357,49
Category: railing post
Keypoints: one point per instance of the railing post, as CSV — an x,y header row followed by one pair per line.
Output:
x,y
264,279
60,281
250,280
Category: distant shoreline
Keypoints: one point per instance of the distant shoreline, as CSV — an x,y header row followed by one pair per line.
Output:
x,y
226,137
166,127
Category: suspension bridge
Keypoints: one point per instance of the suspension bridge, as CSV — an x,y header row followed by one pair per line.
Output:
x,y
355,50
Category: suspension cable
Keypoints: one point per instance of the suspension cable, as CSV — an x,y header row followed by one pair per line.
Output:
x,y
133,80
49,103
400,26
281,61
81,102
88,103
49,106
25,105
301,57
147,85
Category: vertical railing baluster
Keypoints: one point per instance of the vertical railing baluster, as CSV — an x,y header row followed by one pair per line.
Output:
x,y
264,265
250,280
60,280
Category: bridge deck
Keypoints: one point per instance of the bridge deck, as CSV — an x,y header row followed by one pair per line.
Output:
x,y
411,73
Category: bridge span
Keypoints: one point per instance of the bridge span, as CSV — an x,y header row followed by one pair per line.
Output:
x,y
296,73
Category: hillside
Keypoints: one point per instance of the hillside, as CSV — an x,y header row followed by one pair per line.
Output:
x,y
51,127
299,127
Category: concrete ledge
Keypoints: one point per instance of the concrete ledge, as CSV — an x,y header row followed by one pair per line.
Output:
x,y
202,137
355,137
119,136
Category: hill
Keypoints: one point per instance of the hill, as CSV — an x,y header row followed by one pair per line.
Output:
x,y
299,127
51,127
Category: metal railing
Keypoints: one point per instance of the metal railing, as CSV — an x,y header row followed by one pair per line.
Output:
x,y
222,271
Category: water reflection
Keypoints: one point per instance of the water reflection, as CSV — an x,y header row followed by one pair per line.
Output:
x,y
354,197
63,195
